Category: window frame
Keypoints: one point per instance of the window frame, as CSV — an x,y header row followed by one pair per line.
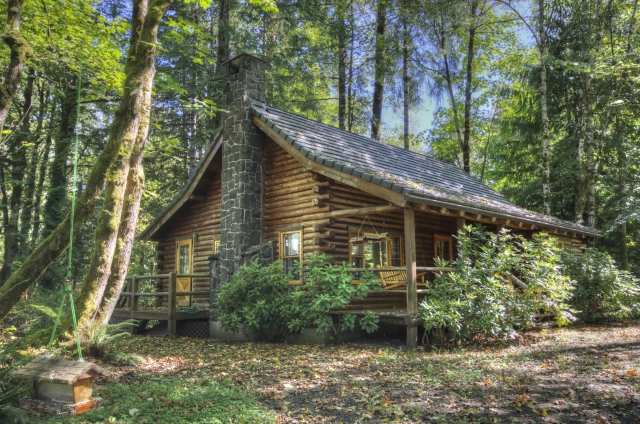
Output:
x,y
282,257
446,238
390,258
565,246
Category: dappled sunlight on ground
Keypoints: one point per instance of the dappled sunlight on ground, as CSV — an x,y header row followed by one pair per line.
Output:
x,y
583,374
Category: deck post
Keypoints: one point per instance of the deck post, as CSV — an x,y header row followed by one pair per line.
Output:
x,y
410,260
171,322
134,291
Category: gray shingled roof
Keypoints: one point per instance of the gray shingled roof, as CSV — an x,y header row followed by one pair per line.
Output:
x,y
421,178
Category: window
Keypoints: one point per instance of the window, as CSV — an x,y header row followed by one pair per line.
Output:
x,y
565,246
291,253
216,246
378,254
443,249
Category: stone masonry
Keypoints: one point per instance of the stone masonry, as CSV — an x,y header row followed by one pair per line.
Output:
x,y
242,156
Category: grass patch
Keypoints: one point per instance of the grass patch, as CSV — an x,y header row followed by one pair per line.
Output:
x,y
173,400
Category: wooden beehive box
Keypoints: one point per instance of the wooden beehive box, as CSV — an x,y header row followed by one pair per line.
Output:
x,y
60,386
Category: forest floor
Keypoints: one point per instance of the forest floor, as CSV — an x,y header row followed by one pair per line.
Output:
x,y
583,374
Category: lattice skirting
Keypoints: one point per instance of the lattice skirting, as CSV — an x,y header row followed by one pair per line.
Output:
x,y
185,328
198,329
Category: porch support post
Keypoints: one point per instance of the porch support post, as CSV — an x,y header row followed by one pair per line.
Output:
x,y
410,260
460,223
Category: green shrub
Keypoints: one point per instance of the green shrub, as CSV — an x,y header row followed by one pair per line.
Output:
x,y
478,298
603,290
330,287
260,300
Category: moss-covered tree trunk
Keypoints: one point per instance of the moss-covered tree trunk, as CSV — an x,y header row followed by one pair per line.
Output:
x,y
18,169
20,53
140,64
128,219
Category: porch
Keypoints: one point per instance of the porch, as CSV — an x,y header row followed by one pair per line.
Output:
x,y
135,301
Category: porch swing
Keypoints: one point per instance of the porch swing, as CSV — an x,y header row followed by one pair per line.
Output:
x,y
61,386
393,279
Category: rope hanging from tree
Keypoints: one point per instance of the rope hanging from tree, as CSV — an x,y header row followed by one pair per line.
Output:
x,y
68,290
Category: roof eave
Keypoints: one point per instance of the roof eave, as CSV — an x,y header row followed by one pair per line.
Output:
x,y
186,191
433,202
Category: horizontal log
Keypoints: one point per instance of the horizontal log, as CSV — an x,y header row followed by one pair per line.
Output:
x,y
147,277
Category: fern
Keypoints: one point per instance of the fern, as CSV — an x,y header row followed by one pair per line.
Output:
x,y
101,335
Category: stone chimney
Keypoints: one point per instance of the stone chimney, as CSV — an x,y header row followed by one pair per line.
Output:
x,y
242,155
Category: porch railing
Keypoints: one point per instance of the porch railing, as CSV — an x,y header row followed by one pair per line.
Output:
x,y
433,269
171,315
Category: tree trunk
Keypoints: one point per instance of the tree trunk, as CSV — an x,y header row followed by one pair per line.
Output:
x,y
58,172
5,199
379,69
42,172
405,79
449,80
544,119
222,54
468,88
586,128
128,220
55,204
140,65
622,191
20,53
350,86
31,178
342,66
18,169
95,280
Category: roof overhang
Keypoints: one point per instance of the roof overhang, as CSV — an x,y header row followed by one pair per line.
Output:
x,y
413,198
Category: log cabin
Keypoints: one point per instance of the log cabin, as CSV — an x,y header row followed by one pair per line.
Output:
x,y
277,186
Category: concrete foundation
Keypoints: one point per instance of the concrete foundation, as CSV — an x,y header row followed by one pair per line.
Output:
x,y
217,332
309,336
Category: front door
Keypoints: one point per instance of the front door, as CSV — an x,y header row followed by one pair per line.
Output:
x,y
184,257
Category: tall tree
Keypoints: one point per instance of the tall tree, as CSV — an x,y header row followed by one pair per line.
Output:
x,y
125,125
380,67
18,169
20,53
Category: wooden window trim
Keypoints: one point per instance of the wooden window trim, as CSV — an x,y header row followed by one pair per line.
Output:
x,y
442,237
281,252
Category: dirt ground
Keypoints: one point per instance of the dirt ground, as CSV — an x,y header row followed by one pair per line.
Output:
x,y
587,374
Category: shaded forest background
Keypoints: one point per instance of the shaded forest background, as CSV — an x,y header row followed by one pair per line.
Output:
x,y
538,99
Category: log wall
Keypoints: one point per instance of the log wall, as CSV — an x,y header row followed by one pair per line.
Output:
x,y
202,217
298,199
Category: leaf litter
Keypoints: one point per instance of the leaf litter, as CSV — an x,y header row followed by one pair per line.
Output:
x,y
572,375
